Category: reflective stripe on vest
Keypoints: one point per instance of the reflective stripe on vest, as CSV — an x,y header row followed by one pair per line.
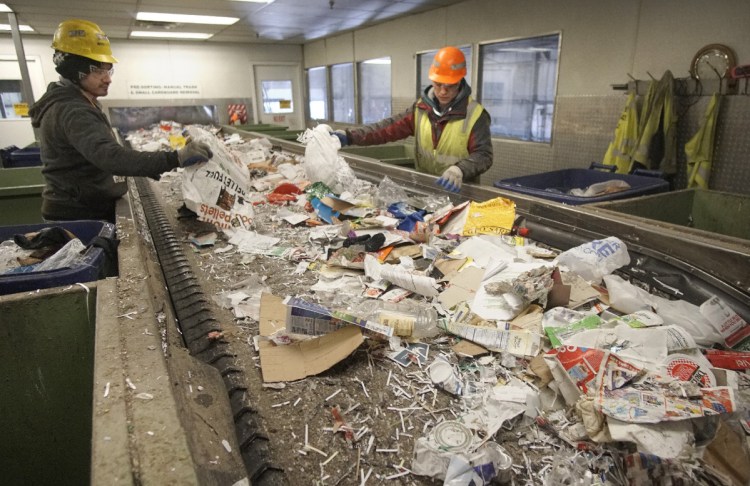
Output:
x,y
453,143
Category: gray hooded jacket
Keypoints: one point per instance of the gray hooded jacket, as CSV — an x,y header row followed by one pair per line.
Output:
x,y
80,156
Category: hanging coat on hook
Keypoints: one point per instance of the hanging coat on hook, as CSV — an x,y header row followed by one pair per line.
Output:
x,y
620,151
657,144
700,149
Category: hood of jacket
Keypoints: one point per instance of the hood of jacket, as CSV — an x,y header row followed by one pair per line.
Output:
x,y
58,91
428,97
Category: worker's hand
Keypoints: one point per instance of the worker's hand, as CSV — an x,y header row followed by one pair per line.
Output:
x,y
451,179
194,153
341,135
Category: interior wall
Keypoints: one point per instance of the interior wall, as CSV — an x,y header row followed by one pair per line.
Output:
x,y
223,72
603,43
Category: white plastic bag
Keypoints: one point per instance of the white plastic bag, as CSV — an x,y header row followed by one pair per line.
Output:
x,y
595,259
322,161
217,190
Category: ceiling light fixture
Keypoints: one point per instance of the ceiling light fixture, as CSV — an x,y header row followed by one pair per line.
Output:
x,y
185,19
171,35
22,28
4,8
254,1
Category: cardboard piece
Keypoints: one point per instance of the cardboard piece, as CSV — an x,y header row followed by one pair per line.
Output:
x,y
727,454
302,359
463,287
338,205
560,293
467,348
449,267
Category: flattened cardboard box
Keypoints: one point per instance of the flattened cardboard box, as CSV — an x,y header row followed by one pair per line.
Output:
x,y
306,358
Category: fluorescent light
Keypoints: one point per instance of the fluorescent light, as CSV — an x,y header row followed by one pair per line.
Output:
x,y
170,35
22,28
185,19
4,8
254,1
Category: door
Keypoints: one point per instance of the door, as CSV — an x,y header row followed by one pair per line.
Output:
x,y
278,95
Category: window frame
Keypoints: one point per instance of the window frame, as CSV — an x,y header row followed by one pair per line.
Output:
x,y
328,92
480,76
352,64
358,89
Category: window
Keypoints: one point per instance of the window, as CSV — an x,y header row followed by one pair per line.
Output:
x,y
518,85
424,61
10,93
375,89
342,81
277,96
317,86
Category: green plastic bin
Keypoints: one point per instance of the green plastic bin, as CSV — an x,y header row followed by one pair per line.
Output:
x,y
46,393
401,155
715,211
283,134
21,196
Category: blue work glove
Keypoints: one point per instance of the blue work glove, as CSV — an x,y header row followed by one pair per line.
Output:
x,y
194,153
341,135
451,179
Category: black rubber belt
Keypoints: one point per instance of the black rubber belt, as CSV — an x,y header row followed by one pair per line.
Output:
x,y
196,320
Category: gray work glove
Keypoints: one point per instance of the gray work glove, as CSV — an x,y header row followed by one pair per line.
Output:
x,y
341,135
451,179
194,153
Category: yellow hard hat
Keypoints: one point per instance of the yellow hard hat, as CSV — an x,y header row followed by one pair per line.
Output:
x,y
83,38
449,66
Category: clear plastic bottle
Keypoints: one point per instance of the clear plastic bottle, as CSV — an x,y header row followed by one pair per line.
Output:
x,y
408,319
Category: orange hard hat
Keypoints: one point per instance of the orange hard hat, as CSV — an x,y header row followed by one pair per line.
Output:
x,y
449,66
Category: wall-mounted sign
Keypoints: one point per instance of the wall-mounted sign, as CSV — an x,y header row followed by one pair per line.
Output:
x,y
164,90
21,109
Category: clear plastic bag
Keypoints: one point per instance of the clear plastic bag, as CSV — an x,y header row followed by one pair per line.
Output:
x,y
595,259
322,161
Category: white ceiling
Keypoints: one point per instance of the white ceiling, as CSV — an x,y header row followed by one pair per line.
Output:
x,y
282,21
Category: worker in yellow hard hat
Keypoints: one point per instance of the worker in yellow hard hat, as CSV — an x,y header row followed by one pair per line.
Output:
x,y
451,130
79,152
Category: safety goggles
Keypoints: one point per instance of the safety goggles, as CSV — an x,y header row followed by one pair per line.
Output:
x,y
101,72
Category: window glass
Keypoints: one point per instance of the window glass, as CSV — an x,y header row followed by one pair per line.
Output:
x,y
317,85
277,96
424,61
342,84
10,93
375,89
518,86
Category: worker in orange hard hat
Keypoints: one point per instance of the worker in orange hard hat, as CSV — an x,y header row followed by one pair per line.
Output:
x,y
80,154
451,130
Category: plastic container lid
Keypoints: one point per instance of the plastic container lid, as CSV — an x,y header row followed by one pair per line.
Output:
x,y
452,436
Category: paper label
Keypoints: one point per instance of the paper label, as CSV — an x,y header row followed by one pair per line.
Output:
x,y
730,325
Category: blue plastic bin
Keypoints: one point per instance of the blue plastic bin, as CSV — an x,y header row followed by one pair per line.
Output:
x,y
25,157
96,263
554,185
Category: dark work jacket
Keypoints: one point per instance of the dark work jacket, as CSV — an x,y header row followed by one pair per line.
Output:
x,y
402,126
80,156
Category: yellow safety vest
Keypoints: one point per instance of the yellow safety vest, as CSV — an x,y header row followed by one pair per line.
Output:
x,y
453,143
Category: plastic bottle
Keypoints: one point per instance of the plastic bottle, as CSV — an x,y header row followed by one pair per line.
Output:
x,y
406,318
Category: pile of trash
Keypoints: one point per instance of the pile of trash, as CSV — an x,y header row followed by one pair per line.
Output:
x,y
622,386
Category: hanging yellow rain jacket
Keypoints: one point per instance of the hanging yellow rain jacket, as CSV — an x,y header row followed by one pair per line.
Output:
x,y
700,149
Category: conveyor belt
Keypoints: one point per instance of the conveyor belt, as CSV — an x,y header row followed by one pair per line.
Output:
x,y
702,264
196,321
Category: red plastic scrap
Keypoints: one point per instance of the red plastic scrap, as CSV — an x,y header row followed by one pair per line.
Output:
x,y
340,424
